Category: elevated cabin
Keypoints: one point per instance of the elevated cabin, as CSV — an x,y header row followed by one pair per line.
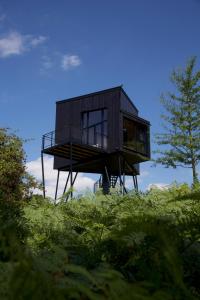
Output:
x,y
100,133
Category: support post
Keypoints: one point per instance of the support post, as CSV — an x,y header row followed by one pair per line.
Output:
x,y
115,182
74,178
106,170
123,176
71,175
135,182
57,184
105,181
121,184
66,183
124,183
73,181
120,173
123,189
43,179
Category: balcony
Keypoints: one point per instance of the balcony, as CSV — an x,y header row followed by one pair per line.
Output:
x,y
70,143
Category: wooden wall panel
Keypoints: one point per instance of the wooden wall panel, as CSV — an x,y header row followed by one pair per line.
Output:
x,y
68,114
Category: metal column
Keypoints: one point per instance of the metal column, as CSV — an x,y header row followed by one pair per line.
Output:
x,y
66,183
57,184
120,173
122,182
43,179
71,175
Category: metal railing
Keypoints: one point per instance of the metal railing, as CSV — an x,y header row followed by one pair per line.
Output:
x,y
97,184
68,134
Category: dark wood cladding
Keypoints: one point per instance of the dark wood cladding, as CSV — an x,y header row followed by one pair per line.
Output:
x,y
69,129
69,112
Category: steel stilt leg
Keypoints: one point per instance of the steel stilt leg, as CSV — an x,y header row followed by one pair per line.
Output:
x,y
43,179
71,175
66,183
57,184
120,173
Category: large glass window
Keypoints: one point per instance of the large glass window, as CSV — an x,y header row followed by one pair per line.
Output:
x,y
94,128
135,136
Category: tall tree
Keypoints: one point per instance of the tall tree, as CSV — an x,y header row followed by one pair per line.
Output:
x,y
182,121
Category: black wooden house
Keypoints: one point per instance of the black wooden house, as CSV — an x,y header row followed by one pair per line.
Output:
x,y
100,133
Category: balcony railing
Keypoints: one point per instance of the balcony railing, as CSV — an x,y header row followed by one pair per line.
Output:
x,y
69,134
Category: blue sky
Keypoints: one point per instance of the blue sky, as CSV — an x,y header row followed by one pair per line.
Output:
x,y
51,50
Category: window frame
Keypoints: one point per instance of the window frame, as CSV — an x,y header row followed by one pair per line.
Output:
x,y
87,127
138,126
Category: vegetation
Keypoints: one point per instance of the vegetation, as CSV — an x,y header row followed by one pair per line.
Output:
x,y
15,182
11,165
182,121
144,246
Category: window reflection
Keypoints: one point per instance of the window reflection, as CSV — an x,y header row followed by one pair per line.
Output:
x,y
94,130
135,136
94,117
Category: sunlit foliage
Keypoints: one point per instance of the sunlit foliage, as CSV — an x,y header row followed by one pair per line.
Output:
x,y
140,246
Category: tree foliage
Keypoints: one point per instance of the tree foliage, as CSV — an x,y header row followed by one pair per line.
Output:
x,y
182,121
12,160
15,182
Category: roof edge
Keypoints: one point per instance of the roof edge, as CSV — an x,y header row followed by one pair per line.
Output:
x,y
129,99
90,94
135,117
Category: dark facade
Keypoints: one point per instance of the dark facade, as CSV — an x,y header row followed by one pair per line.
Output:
x,y
92,131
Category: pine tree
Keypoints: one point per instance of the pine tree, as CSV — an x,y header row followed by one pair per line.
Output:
x,y
182,121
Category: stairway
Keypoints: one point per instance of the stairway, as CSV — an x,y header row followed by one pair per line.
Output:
x,y
113,181
103,183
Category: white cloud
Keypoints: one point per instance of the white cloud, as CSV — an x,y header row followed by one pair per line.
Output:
x,y
144,174
70,61
15,43
38,40
159,186
34,167
12,44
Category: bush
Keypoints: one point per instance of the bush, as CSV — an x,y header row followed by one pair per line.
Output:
x,y
11,165
15,182
140,246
